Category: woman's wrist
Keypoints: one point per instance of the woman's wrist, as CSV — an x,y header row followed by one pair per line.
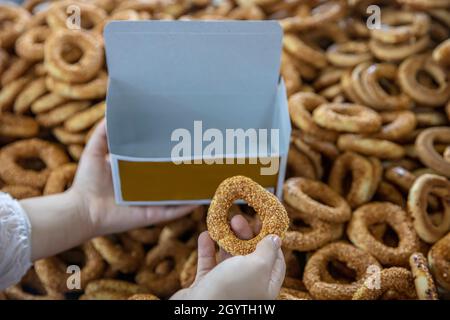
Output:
x,y
57,223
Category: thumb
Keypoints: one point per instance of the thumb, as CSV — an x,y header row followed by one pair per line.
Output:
x,y
97,145
267,249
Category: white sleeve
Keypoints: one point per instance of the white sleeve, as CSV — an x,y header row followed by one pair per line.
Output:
x,y
15,241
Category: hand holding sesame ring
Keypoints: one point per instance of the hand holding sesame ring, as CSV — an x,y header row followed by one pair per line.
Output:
x,y
424,283
13,20
379,148
426,152
398,280
12,173
417,206
271,212
317,199
301,105
316,235
362,172
60,179
399,26
430,96
347,117
17,126
354,258
125,256
378,213
439,260
53,271
85,69
165,281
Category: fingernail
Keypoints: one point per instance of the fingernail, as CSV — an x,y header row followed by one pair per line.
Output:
x,y
276,240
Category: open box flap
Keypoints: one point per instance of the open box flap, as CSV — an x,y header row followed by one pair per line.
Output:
x,y
165,74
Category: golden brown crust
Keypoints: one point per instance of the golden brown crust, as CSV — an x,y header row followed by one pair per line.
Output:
x,y
271,212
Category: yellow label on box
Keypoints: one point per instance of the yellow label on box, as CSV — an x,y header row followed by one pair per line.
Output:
x,y
165,181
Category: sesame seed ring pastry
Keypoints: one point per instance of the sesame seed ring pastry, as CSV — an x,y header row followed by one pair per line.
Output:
x,y
10,91
189,270
328,77
66,137
147,235
328,149
301,105
292,294
386,97
47,102
395,282
290,74
143,296
30,45
60,179
347,117
396,125
348,54
361,187
13,173
319,15
354,258
121,252
446,154
439,260
418,202
379,213
426,4
435,96
388,192
86,119
14,20
423,280
111,289
85,69
21,192
17,126
315,235
399,26
430,118
92,17
304,52
16,69
184,230
161,270
316,199
58,115
53,271
426,152
31,287
379,148
441,54
75,151
398,51
93,89
32,91
313,155
269,209
299,164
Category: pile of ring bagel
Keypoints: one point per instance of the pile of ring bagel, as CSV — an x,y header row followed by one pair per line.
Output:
x,y
368,191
